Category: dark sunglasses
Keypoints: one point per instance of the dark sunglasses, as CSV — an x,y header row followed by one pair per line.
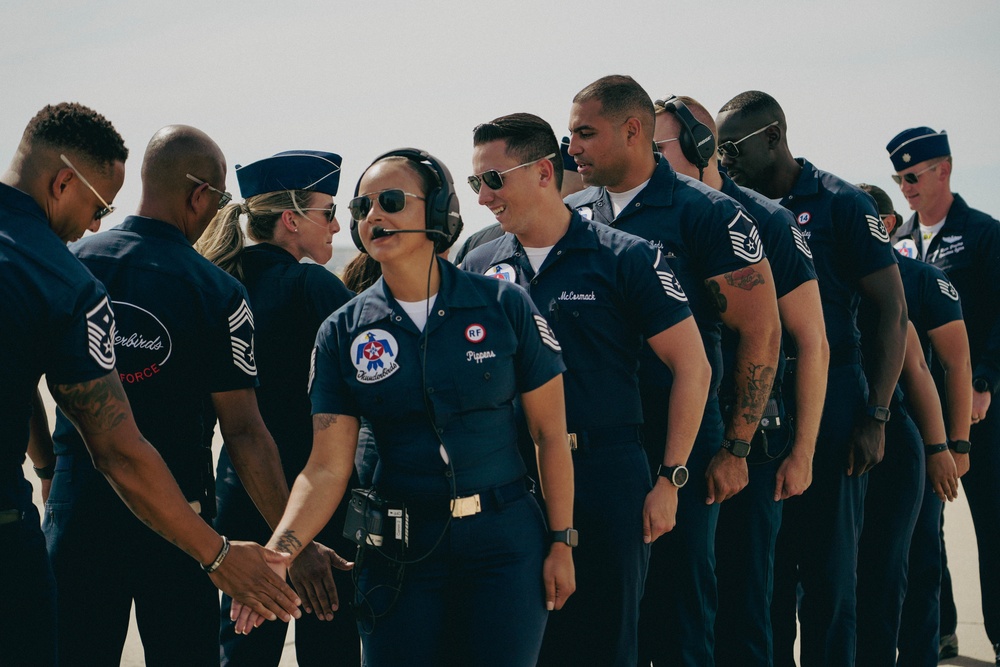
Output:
x,y
494,179
390,201
328,213
106,208
224,197
729,148
913,177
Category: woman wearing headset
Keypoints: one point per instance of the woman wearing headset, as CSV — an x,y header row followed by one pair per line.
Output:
x,y
291,215
434,358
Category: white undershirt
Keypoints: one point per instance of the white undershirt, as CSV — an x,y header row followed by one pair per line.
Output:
x,y
927,234
417,310
536,256
620,200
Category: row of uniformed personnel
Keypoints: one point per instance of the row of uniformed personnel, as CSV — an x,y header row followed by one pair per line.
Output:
x,y
603,295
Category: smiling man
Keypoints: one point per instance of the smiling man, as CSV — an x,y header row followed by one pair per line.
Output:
x,y
965,244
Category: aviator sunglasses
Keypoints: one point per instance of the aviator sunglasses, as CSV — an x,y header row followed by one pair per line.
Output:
x,y
107,209
912,177
729,148
494,179
224,197
390,201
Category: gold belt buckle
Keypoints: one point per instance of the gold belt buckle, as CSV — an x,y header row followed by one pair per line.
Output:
x,y
466,506
572,442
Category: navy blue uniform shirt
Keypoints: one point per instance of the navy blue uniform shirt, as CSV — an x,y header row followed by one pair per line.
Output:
x,y
931,300
184,330
702,233
841,225
603,292
484,343
967,248
290,300
57,322
788,253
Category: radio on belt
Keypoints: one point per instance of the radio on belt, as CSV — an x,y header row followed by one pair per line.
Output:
x,y
373,521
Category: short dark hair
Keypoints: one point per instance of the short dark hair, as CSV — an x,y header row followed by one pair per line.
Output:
x,y
754,103
621,97
72,126
527,136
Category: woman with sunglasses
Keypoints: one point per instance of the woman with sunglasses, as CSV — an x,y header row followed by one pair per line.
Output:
x,y
290,213
435,358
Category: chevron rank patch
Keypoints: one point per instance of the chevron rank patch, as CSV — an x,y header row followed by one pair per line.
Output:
x,y
745,239
548,336
947,289
800,242
876,228
100,334
241,337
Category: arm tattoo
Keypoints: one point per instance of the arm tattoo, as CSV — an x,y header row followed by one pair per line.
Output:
x,y
288,543
759,379
717,296
97,406
323,421
745,278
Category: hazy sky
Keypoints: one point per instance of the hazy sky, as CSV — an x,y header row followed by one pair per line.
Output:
x,y
360,78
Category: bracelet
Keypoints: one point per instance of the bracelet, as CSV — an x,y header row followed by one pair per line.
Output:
x,y
209,569
47,472
930,450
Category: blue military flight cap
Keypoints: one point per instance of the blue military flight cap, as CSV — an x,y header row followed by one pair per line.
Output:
x,y
569,164
915,145
291,170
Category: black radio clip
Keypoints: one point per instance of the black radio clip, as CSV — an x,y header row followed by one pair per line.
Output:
x,y
373,521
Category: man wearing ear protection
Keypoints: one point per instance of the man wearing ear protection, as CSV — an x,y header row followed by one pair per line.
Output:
x,y
780,459
817,545
715,249
965,244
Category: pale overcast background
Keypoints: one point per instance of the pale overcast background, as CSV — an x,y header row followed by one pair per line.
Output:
x,y
360,78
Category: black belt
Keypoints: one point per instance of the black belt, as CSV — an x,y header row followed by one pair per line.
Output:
x,y
483,501
600,438
10,516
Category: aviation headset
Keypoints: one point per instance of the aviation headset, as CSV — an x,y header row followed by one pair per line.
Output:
x,y
696,139
443,219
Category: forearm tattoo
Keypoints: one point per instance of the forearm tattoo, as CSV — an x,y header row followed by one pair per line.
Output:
x,y
288,543
323,421
97,406
745,279
759,379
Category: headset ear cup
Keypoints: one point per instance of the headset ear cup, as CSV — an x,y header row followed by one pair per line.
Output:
x,y
356,235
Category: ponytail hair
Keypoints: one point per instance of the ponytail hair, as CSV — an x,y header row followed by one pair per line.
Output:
x,y
223,241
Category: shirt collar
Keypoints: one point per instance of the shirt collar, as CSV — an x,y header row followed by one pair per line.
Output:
x,y
153,228
808,181
14,198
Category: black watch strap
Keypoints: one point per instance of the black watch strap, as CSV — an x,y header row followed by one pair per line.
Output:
x,y
739,448
960,446
930,450
569,537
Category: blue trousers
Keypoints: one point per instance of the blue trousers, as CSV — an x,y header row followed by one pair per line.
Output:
x,y
892,503
104,558
744,551
326,643
919,635
677,615
27,588
980,485
815,565
599,624
476,599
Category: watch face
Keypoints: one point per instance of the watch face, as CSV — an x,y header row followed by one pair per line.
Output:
x,y
680,476
961,446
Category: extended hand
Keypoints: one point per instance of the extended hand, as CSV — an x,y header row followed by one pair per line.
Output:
x,y
659,512
312,578
559,575
943,475
255,578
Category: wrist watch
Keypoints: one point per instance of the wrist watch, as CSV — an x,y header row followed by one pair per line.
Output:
x,y
568,537
738,448
960,446
678,475
878,413
981,385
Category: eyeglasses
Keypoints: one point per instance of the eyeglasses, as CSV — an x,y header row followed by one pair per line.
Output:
x,y
666,141
391,201
494,178
729,149
107,209
224,197
329,213
913,177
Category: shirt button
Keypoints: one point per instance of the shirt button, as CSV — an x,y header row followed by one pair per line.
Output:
x,y
398,318
487,375
638,204
447,473
440,313
430,390
534,281
440,430
558,253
